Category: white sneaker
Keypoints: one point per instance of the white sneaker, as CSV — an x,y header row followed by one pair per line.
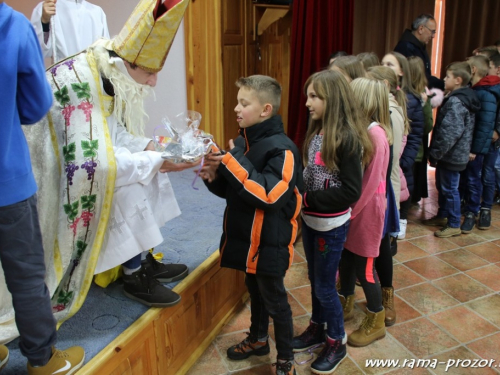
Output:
x,y
402,229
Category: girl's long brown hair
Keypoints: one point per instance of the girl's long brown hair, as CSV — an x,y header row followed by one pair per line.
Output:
x,y
341,123
417,71
383,73
373,97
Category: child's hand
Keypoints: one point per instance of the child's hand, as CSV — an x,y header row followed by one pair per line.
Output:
x,y
209,171
48,10
168,166
495,136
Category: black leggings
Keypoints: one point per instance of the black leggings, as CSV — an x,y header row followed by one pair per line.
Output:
x,y
352,266
383,263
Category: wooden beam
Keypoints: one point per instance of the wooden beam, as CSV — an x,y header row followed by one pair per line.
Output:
x,y
270,16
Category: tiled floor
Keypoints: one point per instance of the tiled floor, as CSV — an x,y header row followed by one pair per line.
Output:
x,y
447,303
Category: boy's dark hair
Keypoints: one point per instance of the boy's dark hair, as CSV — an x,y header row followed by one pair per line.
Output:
x,y
421,20
481,63
487,51
495,59
461,69
267,89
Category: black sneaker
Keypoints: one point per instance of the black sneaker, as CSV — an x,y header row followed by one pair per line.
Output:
x,y
143,288
313,335
330,357
285,368
164,273
250,346
484,221
469,222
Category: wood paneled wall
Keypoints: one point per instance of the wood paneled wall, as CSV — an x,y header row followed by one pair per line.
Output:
x,y
202,34
221,47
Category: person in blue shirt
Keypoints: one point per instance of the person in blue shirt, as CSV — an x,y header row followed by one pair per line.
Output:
x,y
24,99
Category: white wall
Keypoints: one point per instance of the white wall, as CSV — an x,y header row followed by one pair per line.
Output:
x,y
171,94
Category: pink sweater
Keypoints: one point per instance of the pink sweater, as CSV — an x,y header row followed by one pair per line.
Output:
x,y
368,213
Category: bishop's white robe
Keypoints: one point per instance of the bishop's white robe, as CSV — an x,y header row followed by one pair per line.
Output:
x,y
77,24
143,199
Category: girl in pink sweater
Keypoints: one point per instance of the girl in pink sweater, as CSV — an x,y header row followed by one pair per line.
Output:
x,y
367,217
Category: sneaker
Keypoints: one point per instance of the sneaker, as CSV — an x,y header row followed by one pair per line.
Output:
x,y
436,221
164,273
402,229
4,356
285,368
469,222
330,357
62,362
250,346
447,231
484,221
143,288
313,335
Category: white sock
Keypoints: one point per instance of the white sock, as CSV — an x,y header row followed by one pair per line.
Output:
x,y
130,271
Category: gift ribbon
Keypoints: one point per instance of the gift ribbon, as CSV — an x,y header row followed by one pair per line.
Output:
x,y
198,174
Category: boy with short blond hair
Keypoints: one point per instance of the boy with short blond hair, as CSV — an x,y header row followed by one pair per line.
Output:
x,y
480,173
450,146
261,179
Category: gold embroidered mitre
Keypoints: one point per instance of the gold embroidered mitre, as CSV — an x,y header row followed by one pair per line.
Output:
x,y
148,33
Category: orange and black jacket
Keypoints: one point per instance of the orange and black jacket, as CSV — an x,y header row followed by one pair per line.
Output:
x,y
261,180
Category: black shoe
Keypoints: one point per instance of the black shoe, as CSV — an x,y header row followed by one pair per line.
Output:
x,y
484,221
164,273
313,335
250,346
285,368
143,288
330,357
469,222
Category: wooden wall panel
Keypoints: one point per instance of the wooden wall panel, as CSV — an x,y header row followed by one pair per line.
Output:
x,y
202,28
274,45
232,61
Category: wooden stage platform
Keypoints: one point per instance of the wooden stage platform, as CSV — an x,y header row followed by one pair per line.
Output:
x,y
168,341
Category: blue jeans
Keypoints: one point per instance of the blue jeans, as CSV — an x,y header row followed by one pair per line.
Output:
x,y
23,264
448,196
269,298
323,251
481,181
497,170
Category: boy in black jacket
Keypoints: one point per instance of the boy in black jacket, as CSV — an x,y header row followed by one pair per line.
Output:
x,y
261,180
450,146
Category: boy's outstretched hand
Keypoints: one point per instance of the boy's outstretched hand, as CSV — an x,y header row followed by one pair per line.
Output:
x,y
168,166
48,10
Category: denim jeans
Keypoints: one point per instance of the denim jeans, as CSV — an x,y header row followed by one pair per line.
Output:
x,y
323,251
269,298
448,196
481,181
22,256
497,170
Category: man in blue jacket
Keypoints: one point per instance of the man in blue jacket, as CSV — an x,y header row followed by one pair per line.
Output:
x,y
414,43
24,99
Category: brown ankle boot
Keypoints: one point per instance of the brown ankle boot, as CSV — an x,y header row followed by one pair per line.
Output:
x,y
388,303
347,306
372,328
